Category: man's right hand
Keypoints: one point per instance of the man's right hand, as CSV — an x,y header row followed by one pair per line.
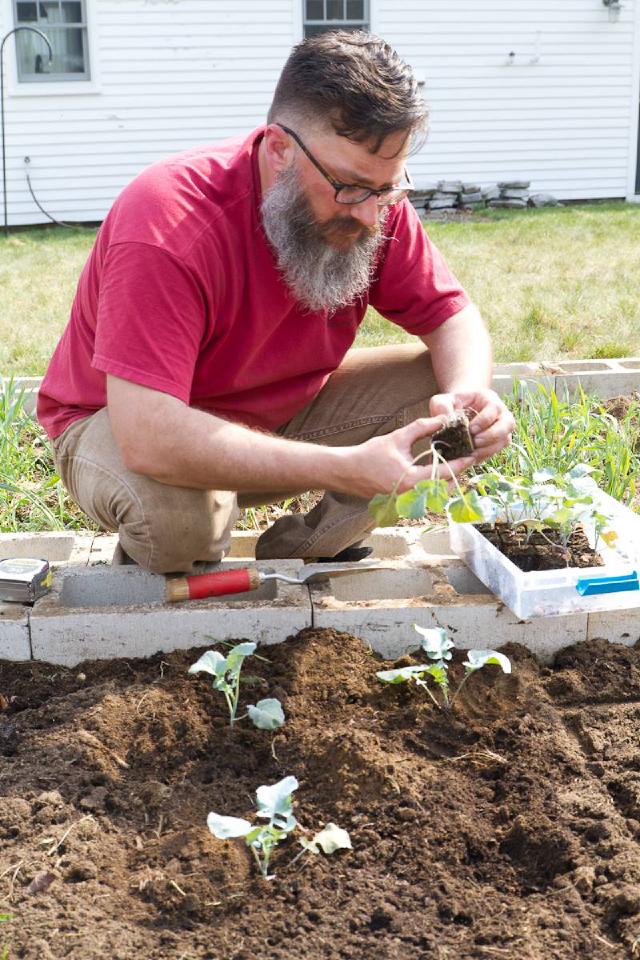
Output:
x,y
377,465
161,437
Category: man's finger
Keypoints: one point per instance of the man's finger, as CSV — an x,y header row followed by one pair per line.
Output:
x,y
420,428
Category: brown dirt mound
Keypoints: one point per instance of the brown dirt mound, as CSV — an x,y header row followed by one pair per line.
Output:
x,y
506,828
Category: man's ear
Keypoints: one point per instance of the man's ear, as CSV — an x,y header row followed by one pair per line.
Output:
x,y
278,149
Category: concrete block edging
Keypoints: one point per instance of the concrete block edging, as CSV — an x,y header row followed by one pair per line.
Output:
x,y
98,611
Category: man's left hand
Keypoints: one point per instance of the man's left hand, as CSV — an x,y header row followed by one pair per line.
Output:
x,y
490,422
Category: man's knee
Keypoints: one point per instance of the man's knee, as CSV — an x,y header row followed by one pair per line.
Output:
x,y
188,527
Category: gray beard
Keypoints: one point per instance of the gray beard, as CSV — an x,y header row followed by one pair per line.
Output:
x,y
321,277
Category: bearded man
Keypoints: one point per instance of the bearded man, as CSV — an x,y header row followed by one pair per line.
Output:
x,y
206,365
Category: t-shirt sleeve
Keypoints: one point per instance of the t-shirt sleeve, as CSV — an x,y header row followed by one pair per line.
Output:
x,y
414,287
151,319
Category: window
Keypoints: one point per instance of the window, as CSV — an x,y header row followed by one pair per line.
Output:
x,y
64,23
323,15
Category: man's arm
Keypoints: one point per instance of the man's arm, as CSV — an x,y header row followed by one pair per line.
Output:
x,y
163,438
461,355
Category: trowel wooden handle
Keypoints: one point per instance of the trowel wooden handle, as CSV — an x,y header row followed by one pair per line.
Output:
x,y
212,584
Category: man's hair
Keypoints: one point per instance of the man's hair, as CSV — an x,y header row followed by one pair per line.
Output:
x,y
354,80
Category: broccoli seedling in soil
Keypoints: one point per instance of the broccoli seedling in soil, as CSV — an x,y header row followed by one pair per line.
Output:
x,y
453,440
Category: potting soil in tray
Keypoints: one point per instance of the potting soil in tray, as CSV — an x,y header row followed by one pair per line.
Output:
x,y
541,549
506,829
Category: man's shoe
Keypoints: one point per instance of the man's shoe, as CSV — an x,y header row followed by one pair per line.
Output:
x,y
349,555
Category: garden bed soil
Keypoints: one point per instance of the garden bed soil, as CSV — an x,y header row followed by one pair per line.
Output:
x,y
541,549
506,830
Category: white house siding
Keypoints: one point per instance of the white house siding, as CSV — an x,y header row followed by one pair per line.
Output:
x,y
170,74
562,114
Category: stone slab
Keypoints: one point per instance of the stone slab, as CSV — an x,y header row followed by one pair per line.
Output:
x,y
618,626
51,546
102,613
15,643
472,622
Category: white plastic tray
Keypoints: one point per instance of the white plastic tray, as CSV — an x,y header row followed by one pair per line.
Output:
x,y
554,592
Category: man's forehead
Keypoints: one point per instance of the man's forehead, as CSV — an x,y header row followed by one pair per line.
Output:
x,y
359,162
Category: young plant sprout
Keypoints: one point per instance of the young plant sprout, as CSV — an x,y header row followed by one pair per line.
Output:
x,y
428,496
266,714
276,806
437,647
547,500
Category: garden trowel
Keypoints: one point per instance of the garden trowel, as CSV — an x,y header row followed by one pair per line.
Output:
x,y
244,579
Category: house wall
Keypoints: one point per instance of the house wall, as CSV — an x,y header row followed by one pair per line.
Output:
x,y
169,74
562,112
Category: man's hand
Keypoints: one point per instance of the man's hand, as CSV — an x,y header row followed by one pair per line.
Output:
x,y
491,424
377,465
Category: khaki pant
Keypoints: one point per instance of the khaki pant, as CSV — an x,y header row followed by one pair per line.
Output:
x,y
169,529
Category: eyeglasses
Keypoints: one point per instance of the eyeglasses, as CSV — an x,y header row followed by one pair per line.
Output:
x,y
350,193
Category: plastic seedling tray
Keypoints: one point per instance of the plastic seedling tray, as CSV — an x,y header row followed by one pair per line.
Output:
x,y
549,593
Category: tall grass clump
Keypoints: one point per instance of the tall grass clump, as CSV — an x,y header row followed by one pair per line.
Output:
x,y
561,433
32,496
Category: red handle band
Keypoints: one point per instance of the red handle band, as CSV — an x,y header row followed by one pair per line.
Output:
x,y
217,584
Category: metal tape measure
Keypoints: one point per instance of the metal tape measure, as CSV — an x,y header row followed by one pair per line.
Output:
x,y
24,580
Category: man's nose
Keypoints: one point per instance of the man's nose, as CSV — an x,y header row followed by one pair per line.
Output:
x,y
366,212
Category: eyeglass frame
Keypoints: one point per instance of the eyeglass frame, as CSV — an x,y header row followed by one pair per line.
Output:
x,y
337,186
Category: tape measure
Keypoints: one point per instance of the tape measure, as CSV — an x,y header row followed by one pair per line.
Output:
x,y
24,580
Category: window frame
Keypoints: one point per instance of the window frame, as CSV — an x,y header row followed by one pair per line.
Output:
x,y
364,24
81,77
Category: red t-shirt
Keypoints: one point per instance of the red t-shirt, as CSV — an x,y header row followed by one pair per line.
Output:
x,y
181,293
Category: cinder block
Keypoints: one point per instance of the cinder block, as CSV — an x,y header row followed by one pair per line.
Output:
x,y
51,546
381,606
601,378
103,612
618,626
14,632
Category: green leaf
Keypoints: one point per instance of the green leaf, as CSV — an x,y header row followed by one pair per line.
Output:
x,y
210,662
542,476
402,674
227,828
580,470
466,508
431,495
476,659
330,839
383,509
238,653
609,537
266,714
435,642
438,672
275,804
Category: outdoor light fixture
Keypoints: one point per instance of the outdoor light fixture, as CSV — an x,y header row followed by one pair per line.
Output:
x,y
614,7
4,161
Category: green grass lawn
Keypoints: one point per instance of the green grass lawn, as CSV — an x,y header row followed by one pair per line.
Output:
x,y
551,283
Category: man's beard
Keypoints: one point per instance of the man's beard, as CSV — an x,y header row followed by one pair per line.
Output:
x,y
320,276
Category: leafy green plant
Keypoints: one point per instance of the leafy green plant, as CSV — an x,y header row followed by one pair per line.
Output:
x,y
4,951
560,434
428,496
266,714
548,500
437,647
32,496
275,805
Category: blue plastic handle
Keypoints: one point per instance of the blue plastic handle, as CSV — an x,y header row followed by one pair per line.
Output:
x,y
589,586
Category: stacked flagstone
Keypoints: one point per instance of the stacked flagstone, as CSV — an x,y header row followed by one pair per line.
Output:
x,y
449,194
514,194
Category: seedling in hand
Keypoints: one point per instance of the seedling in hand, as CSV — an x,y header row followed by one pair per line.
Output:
x,y
427,496
276,806
437,647
266,714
